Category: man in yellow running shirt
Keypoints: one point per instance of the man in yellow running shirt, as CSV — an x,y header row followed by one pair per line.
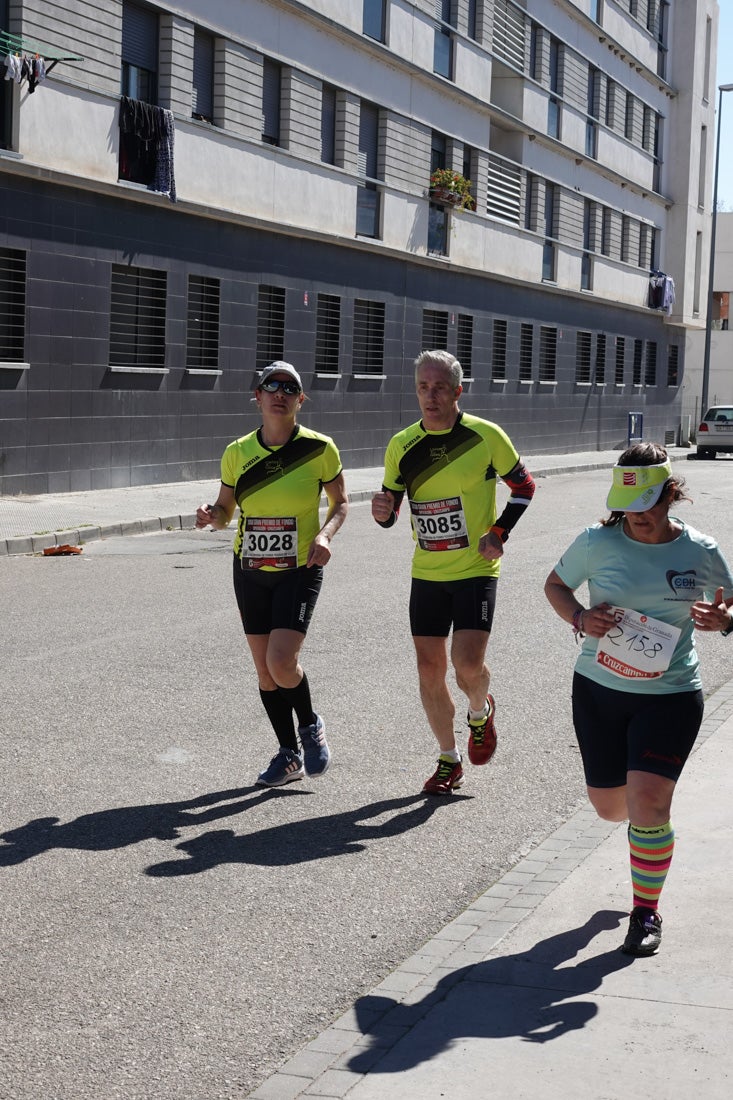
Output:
x,y
447,464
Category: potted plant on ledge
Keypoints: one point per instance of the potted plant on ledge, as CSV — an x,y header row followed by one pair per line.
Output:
x,y
452,189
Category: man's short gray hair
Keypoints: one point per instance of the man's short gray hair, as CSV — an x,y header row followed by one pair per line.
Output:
x,y
441,358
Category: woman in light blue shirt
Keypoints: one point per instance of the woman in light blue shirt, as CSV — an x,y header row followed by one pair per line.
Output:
x,y
637,695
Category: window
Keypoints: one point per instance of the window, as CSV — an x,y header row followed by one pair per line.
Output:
x,y
647,246
555,65
5,86
586,260
438,150
368,341
591,129
582,357
600,358
437,230
702,166
553,106
535,66
271,83
328,124
698,273
434,329
629,117
548,353
373,24
606,231
137,317
626,238
638,352
443,42
548,251
620,360
498,351
673,365
464,343
553,117
202,96
202,329
662,24
470,160
367,196
472,22
650,364
328,333
12,305
270,325
612,92
139,53
526,351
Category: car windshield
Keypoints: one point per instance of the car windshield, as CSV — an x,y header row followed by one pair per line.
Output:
x,y
719,413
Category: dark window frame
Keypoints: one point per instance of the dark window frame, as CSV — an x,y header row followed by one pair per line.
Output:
x,y
271,307
203,309
434,328
464,343
499,339
367,356
548,354
374,19
583,356
137,316
328,334
140,52
13,290
272,73
202,90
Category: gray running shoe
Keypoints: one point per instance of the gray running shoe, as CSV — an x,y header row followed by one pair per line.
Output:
x,y
645,932
316,752
285,767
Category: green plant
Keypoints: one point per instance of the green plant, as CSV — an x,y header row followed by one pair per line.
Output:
x,y
455,185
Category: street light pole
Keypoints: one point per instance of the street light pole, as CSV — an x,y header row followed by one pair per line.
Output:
x,y
711,274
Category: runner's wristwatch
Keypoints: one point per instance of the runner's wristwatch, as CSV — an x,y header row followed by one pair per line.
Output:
x,y
729,629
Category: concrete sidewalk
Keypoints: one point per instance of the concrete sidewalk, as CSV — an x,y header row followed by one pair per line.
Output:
x,y
29,524
526,995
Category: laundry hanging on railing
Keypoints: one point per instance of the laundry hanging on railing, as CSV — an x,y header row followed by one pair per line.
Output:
x,y
32,69
661,291
23,59
147,135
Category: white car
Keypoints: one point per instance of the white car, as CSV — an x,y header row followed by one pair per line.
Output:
x,y
715,432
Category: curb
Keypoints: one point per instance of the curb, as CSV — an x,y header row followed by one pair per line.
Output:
x,y
35,544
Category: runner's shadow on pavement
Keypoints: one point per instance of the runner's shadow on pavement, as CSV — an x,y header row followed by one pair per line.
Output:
x,y
302,841
126,825
530,995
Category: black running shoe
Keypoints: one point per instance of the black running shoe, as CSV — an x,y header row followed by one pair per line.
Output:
x,y
645,932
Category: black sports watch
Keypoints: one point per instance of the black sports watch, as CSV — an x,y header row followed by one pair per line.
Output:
x,y
729,629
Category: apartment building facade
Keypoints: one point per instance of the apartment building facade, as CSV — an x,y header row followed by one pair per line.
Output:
x,y
190,191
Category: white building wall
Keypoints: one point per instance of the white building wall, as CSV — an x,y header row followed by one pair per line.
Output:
x,y
228,169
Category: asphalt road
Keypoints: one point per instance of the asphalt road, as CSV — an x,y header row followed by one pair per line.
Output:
x,y
170,931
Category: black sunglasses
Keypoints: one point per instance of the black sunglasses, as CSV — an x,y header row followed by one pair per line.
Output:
x,y
274,384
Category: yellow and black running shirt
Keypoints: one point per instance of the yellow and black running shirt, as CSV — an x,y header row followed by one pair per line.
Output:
x,y
450,481
278,491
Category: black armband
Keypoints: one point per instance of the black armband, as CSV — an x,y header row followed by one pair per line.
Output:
x,y
398,495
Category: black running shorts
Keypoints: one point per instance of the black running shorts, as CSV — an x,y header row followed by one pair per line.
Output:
x,y
622,731
435,606
270,600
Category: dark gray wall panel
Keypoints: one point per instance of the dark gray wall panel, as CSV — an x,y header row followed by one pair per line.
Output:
x,y
115,429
